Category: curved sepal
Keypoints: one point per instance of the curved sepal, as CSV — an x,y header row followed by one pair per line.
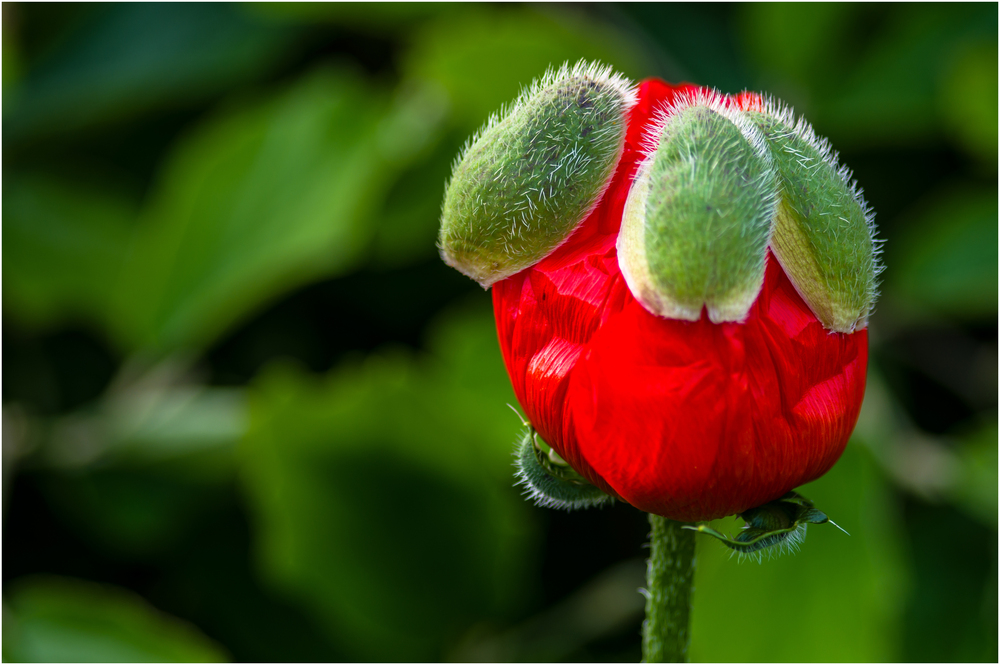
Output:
x,y
550,481
780,523
525,182
698,217
824,232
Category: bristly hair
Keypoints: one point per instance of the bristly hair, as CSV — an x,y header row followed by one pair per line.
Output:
x,y
582,69
514,217
798,125
714,100
547,492
785,544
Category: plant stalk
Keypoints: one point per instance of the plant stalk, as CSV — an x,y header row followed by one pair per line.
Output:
x,y
669,577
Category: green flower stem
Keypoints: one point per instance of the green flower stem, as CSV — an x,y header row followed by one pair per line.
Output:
x,y
669,577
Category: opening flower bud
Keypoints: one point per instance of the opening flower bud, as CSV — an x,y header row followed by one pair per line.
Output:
x,y
691,420
824,230
532,174
698,217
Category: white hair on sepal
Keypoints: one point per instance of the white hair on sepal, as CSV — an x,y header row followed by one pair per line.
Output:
x,y
582,69
797,124
713,99
791,543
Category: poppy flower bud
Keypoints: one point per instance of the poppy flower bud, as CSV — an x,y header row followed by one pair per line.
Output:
x,y
534,172
697,344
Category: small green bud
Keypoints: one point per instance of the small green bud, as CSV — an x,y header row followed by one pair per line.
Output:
x,y
529,177
824,235
698,217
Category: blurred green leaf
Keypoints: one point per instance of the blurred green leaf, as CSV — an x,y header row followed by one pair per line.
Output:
x,y
836,600
408,224
62,250
944,258
483,55
975,490
796,45
950,611
258,201
13,65
968,100
605,606
877,75
383,494
695,40
134,57
188,426
378,17
133,512
55,619
891,96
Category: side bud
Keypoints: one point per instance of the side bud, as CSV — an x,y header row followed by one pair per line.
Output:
x,y
698,217
824,233
530,176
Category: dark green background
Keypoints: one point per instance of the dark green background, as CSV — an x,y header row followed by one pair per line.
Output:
x,y
248,414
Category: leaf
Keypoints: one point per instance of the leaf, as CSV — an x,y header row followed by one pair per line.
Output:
x,y
55,619
409,220
62,250
891,96
975,490
795,43
481,56
369,16
132,58
967,100
256,202
696,42
383,498
944,259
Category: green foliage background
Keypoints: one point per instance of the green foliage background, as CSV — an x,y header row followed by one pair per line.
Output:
x,y
249,415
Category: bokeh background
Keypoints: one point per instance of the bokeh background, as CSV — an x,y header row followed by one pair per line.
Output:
x,y
249,415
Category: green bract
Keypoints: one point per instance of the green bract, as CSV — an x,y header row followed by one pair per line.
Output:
x,y
550,480
823,233
698,217
533,173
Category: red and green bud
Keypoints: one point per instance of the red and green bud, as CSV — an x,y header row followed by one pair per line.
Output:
x,y
695,343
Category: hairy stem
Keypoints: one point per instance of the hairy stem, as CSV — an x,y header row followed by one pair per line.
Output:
x,y
669,577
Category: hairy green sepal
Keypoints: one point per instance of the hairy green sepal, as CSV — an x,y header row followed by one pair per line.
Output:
x,y
780,524
823,233
532,175
698,218
550,480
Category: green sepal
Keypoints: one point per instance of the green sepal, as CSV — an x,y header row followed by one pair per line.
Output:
x,y
780,523
533,173
824,233
550,481
697,221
